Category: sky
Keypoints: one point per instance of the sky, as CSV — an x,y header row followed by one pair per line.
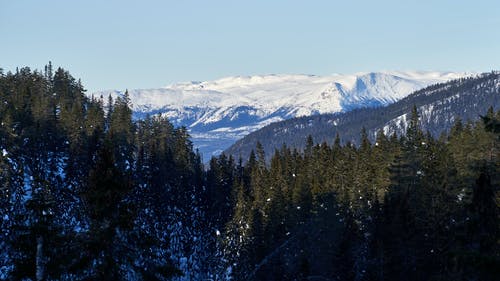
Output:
x,y
148,44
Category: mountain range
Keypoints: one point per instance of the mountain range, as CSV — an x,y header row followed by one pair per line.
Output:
x,y
219,112
439,107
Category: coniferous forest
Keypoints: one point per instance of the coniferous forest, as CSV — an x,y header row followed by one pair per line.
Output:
x,y
89,193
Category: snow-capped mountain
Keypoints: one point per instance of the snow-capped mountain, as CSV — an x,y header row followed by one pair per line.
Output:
x,y
219,112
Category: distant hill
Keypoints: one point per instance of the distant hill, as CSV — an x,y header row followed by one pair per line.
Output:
x,y
439,106
219,112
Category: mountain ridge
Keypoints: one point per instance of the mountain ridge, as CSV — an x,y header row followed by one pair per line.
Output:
x,y
219,112
439,106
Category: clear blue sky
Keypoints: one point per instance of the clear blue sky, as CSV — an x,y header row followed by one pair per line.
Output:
x,y
145,44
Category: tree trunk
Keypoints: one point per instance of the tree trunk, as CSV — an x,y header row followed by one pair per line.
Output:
x,y
39,259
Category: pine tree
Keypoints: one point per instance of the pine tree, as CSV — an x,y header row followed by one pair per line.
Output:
x,y
121,131
108,214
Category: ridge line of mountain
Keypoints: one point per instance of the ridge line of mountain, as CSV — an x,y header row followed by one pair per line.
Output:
x,y
219,112
439,105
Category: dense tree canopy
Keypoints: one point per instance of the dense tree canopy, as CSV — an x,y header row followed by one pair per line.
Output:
x,y
84,188
89,193
401,208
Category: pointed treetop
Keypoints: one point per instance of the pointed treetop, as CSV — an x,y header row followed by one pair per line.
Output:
x,y
365,142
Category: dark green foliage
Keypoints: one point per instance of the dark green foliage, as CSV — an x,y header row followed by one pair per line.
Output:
x,y
87,193
81,186
400,208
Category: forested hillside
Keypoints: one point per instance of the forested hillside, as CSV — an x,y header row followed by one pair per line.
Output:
x,y
399,208
86,193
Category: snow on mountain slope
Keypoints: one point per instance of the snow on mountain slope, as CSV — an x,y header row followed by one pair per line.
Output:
x,y
221,111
